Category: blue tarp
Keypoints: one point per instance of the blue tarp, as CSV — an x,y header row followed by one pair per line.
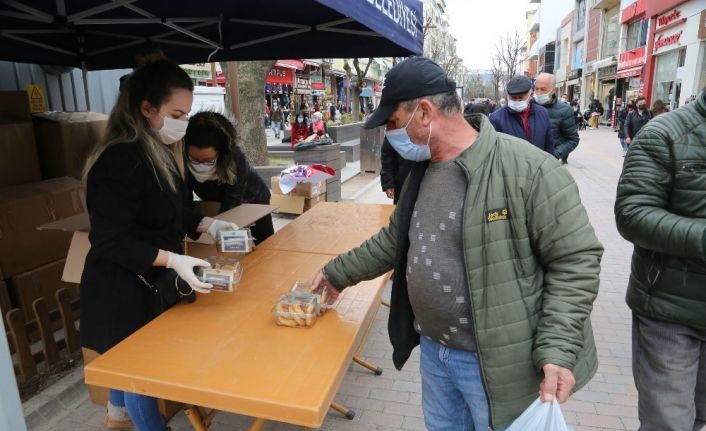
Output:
x,y
105,34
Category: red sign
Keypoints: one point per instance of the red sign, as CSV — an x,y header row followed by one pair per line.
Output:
x,y
668,18
280,75
318,85
633,58
663,40
629,73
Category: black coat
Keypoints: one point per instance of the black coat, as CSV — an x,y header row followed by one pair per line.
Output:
x,y
394,169
131,219
248,188
635,121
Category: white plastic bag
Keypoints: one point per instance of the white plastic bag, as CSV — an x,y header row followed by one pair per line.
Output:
x,y
541,416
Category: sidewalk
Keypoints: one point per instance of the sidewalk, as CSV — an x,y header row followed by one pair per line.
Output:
x,y
393,401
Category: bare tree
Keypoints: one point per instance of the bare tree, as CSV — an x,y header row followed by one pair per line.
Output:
x,y
508,54
497,72
356,83
251,77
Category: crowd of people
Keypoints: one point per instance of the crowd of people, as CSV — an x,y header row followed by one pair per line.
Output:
x,y
494,279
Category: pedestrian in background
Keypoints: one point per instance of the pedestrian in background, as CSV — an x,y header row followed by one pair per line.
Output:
x,y
596,112
564,133
277,118
660,208
522,118
622,117
393,171
492,331
658,107
300,128
636,120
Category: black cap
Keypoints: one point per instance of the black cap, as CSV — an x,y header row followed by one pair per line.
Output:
x,y
518,85
410,79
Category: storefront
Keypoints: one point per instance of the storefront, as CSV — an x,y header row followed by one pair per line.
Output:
x,y
606,88
278,85
573,85
302,91
677,52
629,77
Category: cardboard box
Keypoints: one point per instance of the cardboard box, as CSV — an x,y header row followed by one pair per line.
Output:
x,y
306,190
79,226
295,204
14,106
64,140
99,395
23,209
42,282
19,163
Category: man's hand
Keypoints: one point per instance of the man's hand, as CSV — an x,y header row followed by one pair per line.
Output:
x,y
320,284
558,382
390,193
628,141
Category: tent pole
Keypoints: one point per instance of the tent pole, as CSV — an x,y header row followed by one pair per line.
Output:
x,y
17,76
85,85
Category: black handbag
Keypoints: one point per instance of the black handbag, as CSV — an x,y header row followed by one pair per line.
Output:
x,y
166,289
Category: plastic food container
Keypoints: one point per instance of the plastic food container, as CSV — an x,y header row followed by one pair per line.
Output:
x,y
236,241
304,288
296,311
224,274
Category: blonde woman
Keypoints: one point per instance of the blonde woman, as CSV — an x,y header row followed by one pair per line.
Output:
x,y
139,210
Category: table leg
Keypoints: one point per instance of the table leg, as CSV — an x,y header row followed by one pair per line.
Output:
x,y
195,417
349,414
385,303
257,425
372,367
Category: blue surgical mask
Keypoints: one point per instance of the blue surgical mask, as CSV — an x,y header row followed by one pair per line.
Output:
x,y
300,120
542,99
402,143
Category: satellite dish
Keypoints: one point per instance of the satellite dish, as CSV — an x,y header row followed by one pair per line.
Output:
x,y
56,70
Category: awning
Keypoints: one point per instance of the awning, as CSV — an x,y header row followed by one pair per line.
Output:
x,y
628,73
105,34
573,81
290,64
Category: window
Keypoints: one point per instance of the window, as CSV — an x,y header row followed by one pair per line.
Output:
x,y
611,35
580,14
578,55
636,35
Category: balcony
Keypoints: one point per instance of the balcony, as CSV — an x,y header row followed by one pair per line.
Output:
x,y
534,26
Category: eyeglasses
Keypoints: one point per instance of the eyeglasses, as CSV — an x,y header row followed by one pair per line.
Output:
x,y
207,163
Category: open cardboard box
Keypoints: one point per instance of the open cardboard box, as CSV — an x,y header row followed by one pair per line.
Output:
x,y
243,215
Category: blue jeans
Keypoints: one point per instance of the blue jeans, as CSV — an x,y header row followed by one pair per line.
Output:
x,y
143,410
624,145
277,128
451,384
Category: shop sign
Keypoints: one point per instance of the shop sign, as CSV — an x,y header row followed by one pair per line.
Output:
x,y
669,19
702,25
633,58
574,74
280,75
607,71
302,84
671,39
635,83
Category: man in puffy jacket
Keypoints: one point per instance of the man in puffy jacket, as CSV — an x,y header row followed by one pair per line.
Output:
x,y
561,116
522,118
495,262
661,209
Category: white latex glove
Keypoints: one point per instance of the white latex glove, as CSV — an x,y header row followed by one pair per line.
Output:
x,y
219,225
184,266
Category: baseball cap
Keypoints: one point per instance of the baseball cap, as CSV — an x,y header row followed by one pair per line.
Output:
x,y
409,79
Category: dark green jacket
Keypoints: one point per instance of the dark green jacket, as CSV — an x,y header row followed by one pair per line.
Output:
x,y
532,262
564,132
661,209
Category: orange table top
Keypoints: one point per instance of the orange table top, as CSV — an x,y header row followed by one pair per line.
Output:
x,y
225,351
330,228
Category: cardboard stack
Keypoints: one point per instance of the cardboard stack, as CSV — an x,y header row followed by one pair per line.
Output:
x,y
329,155
19,163
64,140
40,282
301,199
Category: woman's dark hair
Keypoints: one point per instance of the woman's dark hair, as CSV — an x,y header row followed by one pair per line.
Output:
x,y
210,129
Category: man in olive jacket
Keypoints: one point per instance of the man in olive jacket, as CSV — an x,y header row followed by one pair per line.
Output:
x,y
661,209
564,132
495,262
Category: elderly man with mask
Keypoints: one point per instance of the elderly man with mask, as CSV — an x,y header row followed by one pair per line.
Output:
x,y
495,262
561,116
522,118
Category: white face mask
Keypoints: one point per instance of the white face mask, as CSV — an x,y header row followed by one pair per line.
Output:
x,y
542,98
172,130
202,173
518,105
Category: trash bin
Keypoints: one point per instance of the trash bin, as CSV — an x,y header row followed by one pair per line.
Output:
x,y
370,145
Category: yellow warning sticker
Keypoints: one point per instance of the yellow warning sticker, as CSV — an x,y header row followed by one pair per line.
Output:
x,y
36,98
